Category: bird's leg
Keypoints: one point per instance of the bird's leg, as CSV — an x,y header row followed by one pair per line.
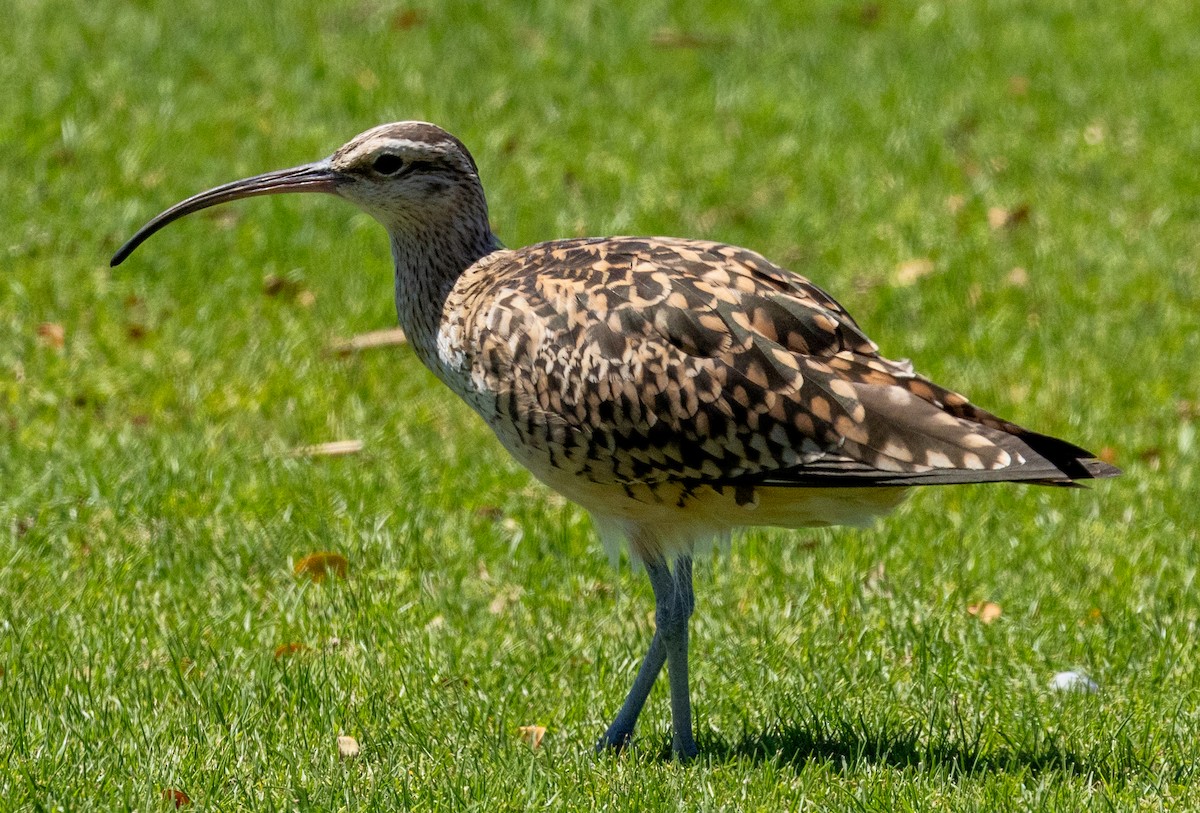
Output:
x,y
620,732
673,604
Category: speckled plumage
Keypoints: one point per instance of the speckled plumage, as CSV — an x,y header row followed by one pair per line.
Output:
x,y
677,389
662,380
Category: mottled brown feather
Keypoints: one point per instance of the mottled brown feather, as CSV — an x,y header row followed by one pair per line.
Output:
x,y
650,360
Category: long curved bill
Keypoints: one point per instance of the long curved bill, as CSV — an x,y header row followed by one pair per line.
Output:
x,y
316,177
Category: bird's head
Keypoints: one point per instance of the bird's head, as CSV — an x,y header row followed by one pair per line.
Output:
x,y
411,176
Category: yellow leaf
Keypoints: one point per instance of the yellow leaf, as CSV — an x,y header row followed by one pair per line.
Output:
x,y
985,611
532,734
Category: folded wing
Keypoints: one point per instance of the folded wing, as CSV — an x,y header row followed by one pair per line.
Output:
x,y
643,360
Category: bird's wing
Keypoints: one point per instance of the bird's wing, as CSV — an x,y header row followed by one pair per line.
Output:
x,y
642,360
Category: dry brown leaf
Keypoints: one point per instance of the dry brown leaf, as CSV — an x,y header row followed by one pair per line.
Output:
x,y
334,448
273,285
955,204
347,747
306,298
176,797
317,566
388,337
910,271
532,734
407,19
1109,455
985,611
1018,277
52,334
291,648
1001,218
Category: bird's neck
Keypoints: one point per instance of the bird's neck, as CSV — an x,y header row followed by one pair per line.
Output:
x,y
429,260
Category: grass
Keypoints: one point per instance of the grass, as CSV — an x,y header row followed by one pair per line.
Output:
x,y
150,514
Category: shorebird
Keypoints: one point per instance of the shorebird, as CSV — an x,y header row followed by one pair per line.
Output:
x,y
676,389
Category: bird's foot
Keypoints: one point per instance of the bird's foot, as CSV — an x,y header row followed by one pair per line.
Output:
x,y
684,748
614,741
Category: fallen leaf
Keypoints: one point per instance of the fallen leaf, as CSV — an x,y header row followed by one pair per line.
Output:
x,y
52,334
1001,218
135,332
985,611
317,566
291,648
388,337
334,448
955,204
868,15
407,19
176,797
1018,277
910,271
1188,410
1109,455
1093,134
1018,85
347,747
306,298
273,285
533,734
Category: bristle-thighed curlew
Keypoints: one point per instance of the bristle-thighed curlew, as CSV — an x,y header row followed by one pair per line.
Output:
x,y
677,389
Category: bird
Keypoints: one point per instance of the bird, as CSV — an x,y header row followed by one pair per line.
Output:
x,y
676,389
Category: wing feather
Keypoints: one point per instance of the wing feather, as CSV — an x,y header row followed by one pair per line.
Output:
x,y
644,360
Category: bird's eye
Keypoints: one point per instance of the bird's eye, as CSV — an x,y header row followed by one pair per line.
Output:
x,y
387,164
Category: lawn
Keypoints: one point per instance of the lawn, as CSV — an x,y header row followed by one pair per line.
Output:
x,y
1006,192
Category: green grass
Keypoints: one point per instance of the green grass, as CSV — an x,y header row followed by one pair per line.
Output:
x,y
150,514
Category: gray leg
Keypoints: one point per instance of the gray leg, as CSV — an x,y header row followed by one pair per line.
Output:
x,y
620,732
673,605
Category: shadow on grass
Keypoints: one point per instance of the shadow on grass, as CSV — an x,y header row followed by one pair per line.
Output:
x,y
849,745
849,749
